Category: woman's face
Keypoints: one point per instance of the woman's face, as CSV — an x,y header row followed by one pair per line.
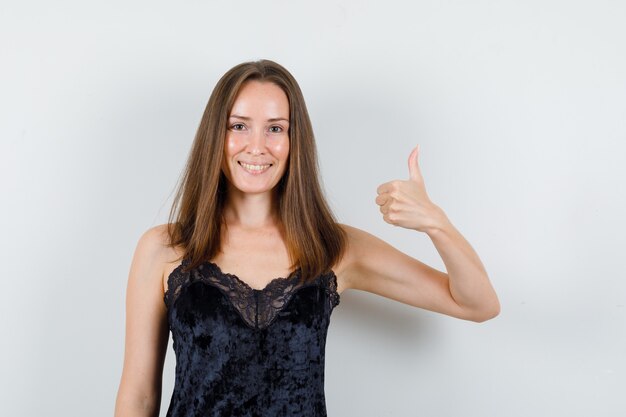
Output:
x,y
256,148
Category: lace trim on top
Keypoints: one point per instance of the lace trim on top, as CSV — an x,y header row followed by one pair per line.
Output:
x,y
257,307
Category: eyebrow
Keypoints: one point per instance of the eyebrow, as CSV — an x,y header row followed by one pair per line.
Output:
x,y
274,119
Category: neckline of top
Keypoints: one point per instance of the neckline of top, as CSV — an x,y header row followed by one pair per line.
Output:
x,y
294,274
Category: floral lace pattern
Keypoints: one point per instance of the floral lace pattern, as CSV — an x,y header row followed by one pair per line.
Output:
x,y
257,307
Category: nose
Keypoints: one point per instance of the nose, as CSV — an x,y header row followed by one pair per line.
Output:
x,y
256,144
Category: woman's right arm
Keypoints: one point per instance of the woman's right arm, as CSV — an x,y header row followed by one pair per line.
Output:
x,y
147,331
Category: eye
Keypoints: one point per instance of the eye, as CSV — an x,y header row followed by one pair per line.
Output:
x,y
237,126
278,129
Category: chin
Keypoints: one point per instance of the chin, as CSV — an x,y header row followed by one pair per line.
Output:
x,y
252,190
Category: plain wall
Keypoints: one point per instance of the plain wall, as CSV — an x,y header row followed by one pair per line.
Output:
x,y
519,107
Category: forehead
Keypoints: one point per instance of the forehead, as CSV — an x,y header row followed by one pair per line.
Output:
x,y
261,98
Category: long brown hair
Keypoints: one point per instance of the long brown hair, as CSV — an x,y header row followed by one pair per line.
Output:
x,y
313,238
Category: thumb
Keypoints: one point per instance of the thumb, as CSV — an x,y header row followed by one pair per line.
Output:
x,y
414,170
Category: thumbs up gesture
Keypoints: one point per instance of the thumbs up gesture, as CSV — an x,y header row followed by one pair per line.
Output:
x,y
405,203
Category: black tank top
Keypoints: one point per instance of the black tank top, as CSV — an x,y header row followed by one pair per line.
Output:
x,y
246,352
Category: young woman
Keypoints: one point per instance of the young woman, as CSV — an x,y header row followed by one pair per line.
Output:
x,y
252,262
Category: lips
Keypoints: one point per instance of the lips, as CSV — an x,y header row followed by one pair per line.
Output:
x,y
254,163
254,169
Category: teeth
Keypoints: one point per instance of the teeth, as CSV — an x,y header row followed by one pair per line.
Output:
x,y
254,167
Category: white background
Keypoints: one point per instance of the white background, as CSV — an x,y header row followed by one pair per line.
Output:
x,y
519,107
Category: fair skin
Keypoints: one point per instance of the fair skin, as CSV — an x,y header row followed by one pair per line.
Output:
x,y
253,248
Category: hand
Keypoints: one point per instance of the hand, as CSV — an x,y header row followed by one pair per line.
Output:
x,y
406,204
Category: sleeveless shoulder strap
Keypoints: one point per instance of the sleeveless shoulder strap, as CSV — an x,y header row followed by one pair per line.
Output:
x,y
175,282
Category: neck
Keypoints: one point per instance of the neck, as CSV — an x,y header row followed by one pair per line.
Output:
x,y
250,211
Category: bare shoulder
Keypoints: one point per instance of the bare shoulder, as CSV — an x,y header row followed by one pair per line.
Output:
x,y
346,268
358,241
154,244
353,232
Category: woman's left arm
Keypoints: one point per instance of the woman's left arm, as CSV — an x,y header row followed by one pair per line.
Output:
x,y
375,266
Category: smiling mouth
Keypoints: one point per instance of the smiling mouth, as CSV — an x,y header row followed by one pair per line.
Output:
x,y
253,168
